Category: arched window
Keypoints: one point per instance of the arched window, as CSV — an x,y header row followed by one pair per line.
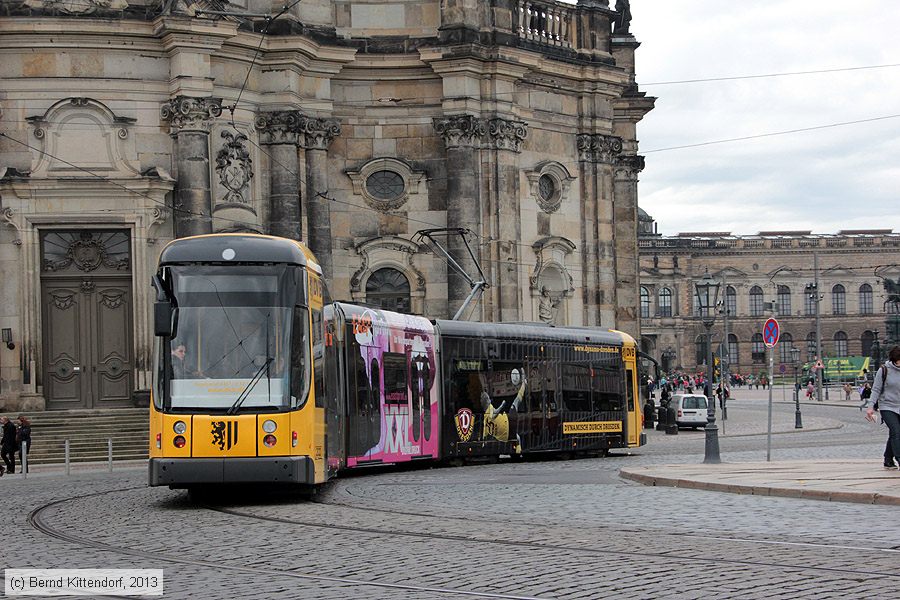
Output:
x,y
839,300
785,343
784,300
388,289
665,302
757,348
700,345
840,344
645,303
811,346
756,302
865,301
733,354
867,340
731,301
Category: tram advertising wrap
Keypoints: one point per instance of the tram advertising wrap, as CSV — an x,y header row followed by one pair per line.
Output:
x,y
260,378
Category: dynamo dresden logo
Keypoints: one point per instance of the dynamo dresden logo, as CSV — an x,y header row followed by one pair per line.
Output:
x,y
464,421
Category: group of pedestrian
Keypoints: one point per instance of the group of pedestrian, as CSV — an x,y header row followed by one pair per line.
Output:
x,y
14,438
885,399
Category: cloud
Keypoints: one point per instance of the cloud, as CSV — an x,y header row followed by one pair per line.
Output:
x,y
823,180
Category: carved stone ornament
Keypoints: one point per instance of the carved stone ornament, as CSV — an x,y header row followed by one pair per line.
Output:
x,y
410,178
185,112
234,166
112,301
86,251
598,147
461,130
77,7
279,127
318,133
507,135
62,300
630,165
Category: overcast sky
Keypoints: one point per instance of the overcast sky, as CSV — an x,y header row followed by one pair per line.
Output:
x,y
825,180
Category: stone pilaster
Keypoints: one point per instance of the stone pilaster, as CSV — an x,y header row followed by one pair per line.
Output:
x,y
597,154
190,120
627,259
279,132
315,136
463,135
505,138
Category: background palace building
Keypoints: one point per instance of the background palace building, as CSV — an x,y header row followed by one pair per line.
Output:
x,y
857,316
349,124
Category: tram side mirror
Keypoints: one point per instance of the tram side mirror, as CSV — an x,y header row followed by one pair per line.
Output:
x,y
163,311
162,318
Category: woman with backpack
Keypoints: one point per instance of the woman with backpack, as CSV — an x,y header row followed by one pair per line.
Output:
x,y
886,399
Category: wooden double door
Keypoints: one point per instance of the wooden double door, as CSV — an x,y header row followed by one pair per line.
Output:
x,y
87,339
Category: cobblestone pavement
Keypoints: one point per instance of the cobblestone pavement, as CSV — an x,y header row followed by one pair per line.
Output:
x,y
552,529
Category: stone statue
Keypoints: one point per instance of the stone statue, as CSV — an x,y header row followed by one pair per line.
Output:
x,y
623,20
547,306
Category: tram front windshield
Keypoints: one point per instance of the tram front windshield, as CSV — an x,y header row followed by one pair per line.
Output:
x,y
233,337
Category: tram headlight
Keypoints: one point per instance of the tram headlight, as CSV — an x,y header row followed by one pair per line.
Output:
x,y
269,440
179,441
179,427
269,426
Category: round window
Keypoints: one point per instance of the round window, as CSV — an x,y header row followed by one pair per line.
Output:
x,y
385,185
547,188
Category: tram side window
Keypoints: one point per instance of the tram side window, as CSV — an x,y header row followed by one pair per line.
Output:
x,y
576,390
506,389
607,386
395,378
466,385
300,359
363,387
318,334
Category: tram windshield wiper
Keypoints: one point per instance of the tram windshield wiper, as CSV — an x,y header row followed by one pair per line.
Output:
x,y
249,388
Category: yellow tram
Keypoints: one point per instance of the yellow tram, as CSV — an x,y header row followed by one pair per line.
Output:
x,y
259,379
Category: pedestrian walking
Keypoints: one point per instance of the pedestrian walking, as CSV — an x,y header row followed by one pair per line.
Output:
x,y
886,400
865,392
810,390
23,436
848,390
8,444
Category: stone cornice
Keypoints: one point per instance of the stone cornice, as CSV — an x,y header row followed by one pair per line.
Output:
x,y
186,113
598,148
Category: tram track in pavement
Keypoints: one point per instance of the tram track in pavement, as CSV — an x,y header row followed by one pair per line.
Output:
x,y
577,549
38,521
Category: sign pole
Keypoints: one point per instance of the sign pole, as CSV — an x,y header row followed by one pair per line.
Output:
x,y
769,433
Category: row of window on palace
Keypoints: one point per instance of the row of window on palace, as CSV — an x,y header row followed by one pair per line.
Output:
x,y
838,301
837,347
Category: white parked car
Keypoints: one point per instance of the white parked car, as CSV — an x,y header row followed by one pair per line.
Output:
x,y
690,410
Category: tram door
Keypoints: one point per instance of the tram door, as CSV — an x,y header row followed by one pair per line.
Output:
x,y
546,428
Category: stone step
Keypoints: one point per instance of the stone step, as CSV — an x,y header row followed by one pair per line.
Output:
x,y
88,458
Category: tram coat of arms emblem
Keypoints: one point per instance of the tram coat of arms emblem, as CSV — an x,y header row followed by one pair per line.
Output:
x,y
465,420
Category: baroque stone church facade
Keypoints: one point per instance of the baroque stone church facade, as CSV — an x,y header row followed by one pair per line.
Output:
x,y
348,124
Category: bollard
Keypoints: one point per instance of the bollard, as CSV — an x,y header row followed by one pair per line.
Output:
x,y
671,420
67,457
109,450
24,460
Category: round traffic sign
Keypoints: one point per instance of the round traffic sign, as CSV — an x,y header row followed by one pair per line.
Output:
x,y
771,333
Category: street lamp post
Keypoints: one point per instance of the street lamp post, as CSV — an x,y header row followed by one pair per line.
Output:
x,y
707,290
798,419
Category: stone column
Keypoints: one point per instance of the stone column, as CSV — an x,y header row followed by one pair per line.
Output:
x,y
627,258
316,135
597,153
506,137
279,133
463,136
190,120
